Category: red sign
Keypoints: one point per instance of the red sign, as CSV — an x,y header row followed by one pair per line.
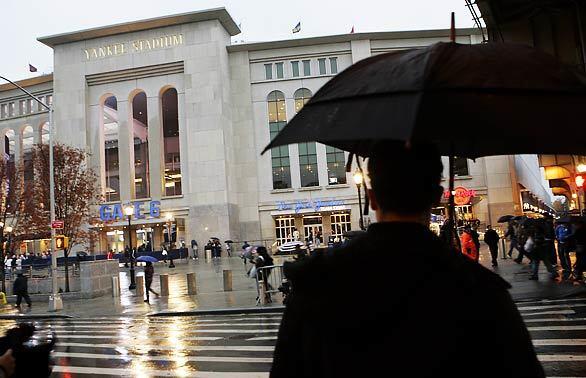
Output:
x,y
57,224
462,195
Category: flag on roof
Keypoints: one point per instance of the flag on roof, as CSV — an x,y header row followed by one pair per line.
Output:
x,y
32,68
297,27
352,31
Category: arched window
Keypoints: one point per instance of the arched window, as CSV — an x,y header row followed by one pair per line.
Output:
x,y
172,174
110,130
140,133
28,140
45,133
279,155
307,151
9,145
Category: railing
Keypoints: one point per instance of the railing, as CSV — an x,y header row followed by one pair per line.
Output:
x,y
268,280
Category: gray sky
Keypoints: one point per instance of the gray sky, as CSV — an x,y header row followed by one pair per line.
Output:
x,y
262,20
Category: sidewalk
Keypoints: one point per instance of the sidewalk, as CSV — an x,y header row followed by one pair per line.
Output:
x,y
524,289
211,296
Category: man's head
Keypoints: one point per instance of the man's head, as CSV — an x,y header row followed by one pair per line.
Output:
x,y
404,180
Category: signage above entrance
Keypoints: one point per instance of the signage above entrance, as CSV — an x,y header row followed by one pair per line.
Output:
x,y
136,46
462,195
315,205
142,209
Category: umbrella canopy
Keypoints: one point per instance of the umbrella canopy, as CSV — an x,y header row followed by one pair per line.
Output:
x,y
469,100
147,258
505,218
228,241
290,246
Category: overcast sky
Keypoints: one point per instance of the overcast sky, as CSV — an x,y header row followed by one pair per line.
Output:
x,y
22,22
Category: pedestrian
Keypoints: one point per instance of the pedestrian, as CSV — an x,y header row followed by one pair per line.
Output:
x,y
475,237
491,238
126,256
562,233
194,248
578,237
469,248
262,259
522,233
512,235
165,254
228,249
538,247
20,289
149,273
444,320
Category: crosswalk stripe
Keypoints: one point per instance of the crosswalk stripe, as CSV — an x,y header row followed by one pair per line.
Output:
x,y
198,331
195,326
552,301
203,338
560,357
151,321
559,342
532,308
558,328
181,359
197,348
157,373
544,320
562,312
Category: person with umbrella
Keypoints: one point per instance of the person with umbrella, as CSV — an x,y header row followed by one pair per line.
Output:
x,y
372,338
491,238
512,235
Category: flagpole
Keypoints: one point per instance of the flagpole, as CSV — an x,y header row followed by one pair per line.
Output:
x,y
55,303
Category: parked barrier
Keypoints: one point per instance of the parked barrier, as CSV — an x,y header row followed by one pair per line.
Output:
x,y
115,286
268,280
140,286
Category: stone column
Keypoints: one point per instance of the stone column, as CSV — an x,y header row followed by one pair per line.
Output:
x,y
156,146
125,151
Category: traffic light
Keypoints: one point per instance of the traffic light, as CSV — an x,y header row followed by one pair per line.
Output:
x,y
580,180
61,242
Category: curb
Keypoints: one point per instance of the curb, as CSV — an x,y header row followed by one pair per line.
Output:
x,y
34,316
223,311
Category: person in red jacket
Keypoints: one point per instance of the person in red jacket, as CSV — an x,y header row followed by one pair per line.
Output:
x,y
469,248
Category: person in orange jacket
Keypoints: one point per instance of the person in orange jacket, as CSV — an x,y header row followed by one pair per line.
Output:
x,y
469,248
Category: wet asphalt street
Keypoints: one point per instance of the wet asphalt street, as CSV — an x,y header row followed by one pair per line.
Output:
x,y
242,345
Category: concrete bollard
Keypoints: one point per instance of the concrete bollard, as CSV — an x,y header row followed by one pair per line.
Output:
x,y
115,286
164,285
191,285
208,255
227,280
262,294
140,286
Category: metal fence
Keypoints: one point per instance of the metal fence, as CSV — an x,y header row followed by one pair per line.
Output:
x,y
268,280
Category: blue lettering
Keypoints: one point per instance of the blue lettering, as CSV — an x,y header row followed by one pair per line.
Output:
x,y
138,209
105,213
155,209
117,212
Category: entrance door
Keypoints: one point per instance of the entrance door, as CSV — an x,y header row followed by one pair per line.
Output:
x,y
313,229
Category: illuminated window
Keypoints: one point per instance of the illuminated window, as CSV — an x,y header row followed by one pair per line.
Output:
x,y
307,151
141,145
295,68
284,228
336,166
302,95
333,65
28,141
112,165
340,224
172,181
268,71
279,155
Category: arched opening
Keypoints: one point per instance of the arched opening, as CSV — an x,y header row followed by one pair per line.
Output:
x,y
45,133
110,129
308,170
172,153
140,134
28,141
281,165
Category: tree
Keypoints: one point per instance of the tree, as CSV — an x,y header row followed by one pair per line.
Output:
x,y
76,192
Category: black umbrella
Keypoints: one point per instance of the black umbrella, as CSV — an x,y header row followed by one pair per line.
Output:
x,y
505,218
228,241
470,100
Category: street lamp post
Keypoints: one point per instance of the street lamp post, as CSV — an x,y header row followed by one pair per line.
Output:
x,y
358,181
169,218
55,301
128,211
